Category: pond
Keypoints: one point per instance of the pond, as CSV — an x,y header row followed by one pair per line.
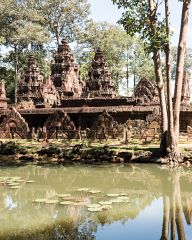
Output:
x,y
95,202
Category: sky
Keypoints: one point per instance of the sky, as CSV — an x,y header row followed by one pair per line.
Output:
x,y
104,10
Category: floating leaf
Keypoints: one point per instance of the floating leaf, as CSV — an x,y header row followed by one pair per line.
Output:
x,y
95,209
93,205
63,195
40,200
53,201
124,198
94,191
69,198
15,187
105,202
106,207
66,203
117,200
13,184
113,195
30,181
83,189
123,194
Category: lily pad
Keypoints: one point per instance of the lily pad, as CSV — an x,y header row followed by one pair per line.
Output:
x,y
15,187
83,189
106,207
70,198
53,201
113,195
40,200
94,209
94,205
66,203
105,202
64,195
123,194
30,181
124,198
117,200
94,191
13,184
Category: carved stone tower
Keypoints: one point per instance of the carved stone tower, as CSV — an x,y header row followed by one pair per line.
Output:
x,y
29,87
65,73
99,83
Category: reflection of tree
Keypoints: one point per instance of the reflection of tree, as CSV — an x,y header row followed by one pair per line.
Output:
x,y
172,213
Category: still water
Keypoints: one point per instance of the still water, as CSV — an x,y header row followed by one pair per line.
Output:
x,y
95,202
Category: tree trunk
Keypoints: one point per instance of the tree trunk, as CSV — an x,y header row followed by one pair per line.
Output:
x,y
180,66
127,73
157,65
172,146
57,33
178,208
160,87
16,71
166,216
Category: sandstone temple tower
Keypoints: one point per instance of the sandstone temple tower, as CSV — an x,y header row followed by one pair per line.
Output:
x,y
29,87
99,83
65,73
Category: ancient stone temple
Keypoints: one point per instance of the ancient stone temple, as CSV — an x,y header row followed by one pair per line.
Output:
x,y
146,91
65,73
57,107
99,83
29,86
14,125
185,94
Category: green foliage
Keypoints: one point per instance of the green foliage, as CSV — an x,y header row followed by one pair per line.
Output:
x,y
188,60
136,20
119,50
65,18
21,24
7,75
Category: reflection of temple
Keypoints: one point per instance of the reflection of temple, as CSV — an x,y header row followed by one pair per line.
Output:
x,y
38,99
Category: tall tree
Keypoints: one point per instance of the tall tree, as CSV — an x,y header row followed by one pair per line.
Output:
x,y
65,18
142,17
124,54
21,27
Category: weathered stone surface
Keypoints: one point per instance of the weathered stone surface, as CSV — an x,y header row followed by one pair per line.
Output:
x,y
99,83
60,123
14,126
29,86
65,73
146,91
104,126
33,91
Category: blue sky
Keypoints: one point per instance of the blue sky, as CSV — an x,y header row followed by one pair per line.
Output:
x,y
104,10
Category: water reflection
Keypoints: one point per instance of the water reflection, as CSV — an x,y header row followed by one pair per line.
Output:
x,y
158,197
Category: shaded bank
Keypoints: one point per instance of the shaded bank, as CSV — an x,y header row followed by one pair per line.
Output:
x,y
59,153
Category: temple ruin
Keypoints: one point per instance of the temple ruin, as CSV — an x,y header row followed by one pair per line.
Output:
x,y
62,106
65,73
99,82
